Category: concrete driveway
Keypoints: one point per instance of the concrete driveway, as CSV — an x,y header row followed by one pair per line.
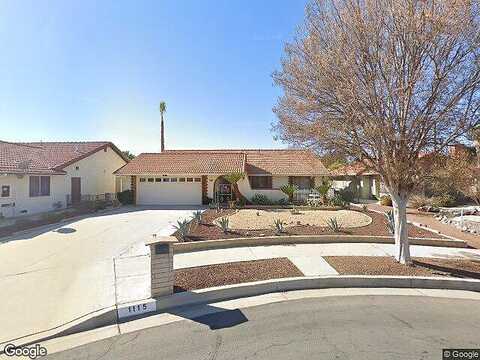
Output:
x,y
54,275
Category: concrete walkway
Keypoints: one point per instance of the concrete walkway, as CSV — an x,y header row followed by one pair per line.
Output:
x,y
308,257
427,220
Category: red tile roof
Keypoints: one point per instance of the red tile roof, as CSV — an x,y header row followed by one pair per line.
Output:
x,y
353,169
46,157
198,163
253,162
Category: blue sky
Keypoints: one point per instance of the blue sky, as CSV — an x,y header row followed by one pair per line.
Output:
x,y
96,70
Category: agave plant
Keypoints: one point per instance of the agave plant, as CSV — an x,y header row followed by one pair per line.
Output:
x,y
390,221
197,216
279,226
183,228
224,223
333,225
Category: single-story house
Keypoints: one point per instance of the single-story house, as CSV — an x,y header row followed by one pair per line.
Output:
x,y
364,183
195,177
37,177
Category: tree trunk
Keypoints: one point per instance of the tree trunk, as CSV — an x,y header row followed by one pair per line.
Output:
x,y
162,135
399,200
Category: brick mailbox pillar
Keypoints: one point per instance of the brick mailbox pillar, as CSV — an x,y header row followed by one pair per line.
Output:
x,y
161,264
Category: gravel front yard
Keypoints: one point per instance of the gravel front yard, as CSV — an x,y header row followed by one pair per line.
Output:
x,y
263,219
379,265
207,230
234,273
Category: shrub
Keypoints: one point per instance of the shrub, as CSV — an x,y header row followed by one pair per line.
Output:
x,y
125,197
241,202
260,199
364,208
100,205
347,195
417,201
224,223
334,225
445,200
53,217
338,200
390,221
279,226
385,200
282,202
183,228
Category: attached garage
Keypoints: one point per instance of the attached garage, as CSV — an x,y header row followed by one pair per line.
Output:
x,y
169,190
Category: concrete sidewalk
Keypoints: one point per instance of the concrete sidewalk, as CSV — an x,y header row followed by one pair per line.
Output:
x,y
308,257
427,220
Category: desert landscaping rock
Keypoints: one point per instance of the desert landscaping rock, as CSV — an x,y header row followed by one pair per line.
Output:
x,y
234,273
263,219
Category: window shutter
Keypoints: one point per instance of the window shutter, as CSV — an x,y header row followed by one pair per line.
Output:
x,y
45,186
34,186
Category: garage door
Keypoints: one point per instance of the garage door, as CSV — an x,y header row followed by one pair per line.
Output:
x,y
169,191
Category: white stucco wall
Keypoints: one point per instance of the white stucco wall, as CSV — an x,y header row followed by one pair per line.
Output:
x,y
20,196
95,171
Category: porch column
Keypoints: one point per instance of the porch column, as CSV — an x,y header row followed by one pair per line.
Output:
x,y
133,187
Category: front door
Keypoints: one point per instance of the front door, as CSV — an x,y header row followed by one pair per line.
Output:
x,y
76,190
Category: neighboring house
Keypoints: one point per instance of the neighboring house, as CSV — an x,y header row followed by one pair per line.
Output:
x,y
355,177
43,176
194,177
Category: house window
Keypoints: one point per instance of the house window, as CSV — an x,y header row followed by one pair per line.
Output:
x,y
189,179
142,179
166,179
150,179
302,182
173,180
158,179
181,179
198,179
260,182
5,191
39,186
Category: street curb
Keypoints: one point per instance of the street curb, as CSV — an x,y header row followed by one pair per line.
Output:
x,y
94,320
184,247
229,292
108,316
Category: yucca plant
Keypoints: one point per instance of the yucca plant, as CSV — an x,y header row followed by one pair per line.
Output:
x,y
279,226
183,228
224,223
289,190
333,225
390,221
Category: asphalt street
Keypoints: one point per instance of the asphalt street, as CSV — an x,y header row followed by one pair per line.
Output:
x,y
350,327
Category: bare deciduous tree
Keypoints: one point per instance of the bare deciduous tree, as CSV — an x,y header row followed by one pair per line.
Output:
x,y
383,81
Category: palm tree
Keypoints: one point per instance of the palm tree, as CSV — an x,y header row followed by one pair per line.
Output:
x,y
163,108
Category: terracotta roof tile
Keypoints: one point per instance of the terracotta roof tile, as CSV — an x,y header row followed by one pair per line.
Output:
x,y
251,161
353,169
184,163
45,157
